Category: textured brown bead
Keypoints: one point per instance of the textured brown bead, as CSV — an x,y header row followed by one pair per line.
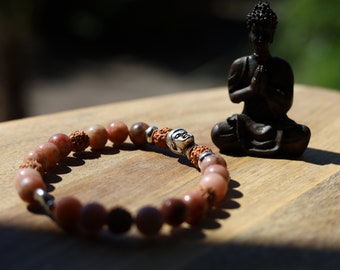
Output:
x,y
32,163
92,217
80,141
137,133
119,220
67,213
159,137
195,153
174,211
149,220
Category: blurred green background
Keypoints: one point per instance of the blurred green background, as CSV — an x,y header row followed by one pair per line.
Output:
x,y
161,46
308,37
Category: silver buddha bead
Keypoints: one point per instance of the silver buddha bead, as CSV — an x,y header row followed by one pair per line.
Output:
x,y
179,141
45,200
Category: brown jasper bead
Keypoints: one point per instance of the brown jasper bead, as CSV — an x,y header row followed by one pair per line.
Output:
x,y
197,207
149,220
174,211
50,153
92,217
67,213
119,220
63,143
214,184
212,159
117,131
98,136
219,169
137,133
47,154
26,182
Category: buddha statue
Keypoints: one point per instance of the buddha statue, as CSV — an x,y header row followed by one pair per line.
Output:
x,y
265,84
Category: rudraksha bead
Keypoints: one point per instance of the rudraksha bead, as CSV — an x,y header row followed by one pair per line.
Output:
x,y
80,141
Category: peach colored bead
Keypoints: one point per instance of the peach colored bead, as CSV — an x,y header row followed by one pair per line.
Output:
x,y
215,183
219,169
47,154
26,181
212,159
117,131
197,206
63,143
67,213
98,136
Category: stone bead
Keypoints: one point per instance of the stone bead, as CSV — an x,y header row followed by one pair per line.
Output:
x,y
174,211
137,133
63,143
212,159
67,212
92,217
98,136
47,154
119,220
118,132
197,207
219,169
149,220
26,182
215,185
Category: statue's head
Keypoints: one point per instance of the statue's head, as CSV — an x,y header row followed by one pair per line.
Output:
x,y
178,140
261,23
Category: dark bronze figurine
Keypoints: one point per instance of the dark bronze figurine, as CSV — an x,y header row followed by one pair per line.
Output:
x,y
265,84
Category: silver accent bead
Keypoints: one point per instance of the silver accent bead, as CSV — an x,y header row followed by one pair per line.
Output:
x,y
45,200
179,140
203,156
148,133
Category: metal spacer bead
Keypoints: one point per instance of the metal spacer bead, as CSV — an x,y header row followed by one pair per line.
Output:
x,y
203,156
148,133
45,200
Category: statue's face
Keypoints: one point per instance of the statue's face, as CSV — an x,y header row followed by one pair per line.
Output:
x,y
178,140
261,36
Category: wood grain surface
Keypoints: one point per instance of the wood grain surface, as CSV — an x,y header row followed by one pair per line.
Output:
x,y
279,213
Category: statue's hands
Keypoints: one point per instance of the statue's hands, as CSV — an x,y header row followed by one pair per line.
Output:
x,y
259,80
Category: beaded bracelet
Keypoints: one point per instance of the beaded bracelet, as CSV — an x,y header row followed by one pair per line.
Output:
x,y
70,214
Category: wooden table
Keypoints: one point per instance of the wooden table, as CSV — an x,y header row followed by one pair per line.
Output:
x,y
280,214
